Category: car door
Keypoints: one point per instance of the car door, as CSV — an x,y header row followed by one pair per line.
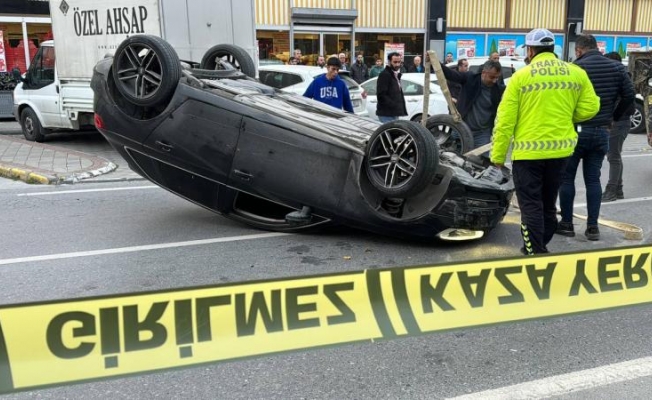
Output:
x,y
437,104
372,101
413,93
42,86
276,162
199,138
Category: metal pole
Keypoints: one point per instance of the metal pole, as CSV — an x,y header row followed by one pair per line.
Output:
x,y
26,44
291,29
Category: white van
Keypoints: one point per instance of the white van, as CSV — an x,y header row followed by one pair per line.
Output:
x,y
56,94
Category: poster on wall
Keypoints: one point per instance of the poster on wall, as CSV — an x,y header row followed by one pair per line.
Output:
x,y
605,43
466,48
458,44
506,47
626,44
3,59
394,47
633,47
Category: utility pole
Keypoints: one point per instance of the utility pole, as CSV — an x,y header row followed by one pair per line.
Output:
x,y
436,26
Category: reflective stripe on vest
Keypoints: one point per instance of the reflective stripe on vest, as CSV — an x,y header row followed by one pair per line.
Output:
x,y
545,144
551,85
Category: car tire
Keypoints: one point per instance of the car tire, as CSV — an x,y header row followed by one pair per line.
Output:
x,y
236,56
401,159
146,70
31,126
417,118
637,119
450,135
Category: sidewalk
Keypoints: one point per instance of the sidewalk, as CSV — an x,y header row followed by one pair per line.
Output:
x,y
67,157
45,164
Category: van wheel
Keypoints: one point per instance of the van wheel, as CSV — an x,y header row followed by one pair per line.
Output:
x,y
401,159
450,135
234,55
32,128
146,70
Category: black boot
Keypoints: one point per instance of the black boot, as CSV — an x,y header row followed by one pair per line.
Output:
x,y
609,194
619,192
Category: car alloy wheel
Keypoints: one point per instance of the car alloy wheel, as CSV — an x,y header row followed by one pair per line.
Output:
x,y
146,70
638,124
402,157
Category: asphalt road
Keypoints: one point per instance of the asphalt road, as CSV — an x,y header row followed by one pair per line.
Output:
x,y
58,221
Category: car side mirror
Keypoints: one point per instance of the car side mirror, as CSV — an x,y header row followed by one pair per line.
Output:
x,y
17,76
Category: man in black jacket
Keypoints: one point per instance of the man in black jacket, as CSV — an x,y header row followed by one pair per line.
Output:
x,y
478,99
391,102
616,91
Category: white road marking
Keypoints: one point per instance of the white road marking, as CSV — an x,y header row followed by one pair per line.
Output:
x,y
635,155
568,383
617,202
132,249
86,191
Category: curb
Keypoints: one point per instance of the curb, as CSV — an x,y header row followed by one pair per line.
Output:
x,y
31,177
27,176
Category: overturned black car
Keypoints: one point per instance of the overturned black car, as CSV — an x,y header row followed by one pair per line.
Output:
x,y
278,161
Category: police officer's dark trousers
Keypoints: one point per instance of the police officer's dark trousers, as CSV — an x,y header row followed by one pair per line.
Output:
x,y
537,186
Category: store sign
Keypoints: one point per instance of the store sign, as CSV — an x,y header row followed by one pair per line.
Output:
x,y
602,46
466,48
3,58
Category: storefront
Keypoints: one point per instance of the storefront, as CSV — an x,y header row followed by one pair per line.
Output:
x,y
327,27
15,31
477,28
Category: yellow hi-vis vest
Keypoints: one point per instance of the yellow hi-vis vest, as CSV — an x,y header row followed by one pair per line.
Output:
x,y
539,108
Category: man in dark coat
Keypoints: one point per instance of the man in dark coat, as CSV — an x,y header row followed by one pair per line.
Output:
x,y
359,70
478,99
614,87
391,102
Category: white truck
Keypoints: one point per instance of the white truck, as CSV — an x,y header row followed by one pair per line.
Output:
x,y
55,93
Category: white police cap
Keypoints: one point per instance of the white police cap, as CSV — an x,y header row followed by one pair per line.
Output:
x,y
540,37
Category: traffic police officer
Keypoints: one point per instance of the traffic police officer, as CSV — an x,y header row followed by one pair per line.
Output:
x,y
538,111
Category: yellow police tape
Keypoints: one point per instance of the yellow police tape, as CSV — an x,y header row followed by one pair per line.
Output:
x,y
86,339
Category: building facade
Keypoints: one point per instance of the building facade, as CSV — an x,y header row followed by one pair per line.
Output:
x,y
372,27
329,27
466,28
482,26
